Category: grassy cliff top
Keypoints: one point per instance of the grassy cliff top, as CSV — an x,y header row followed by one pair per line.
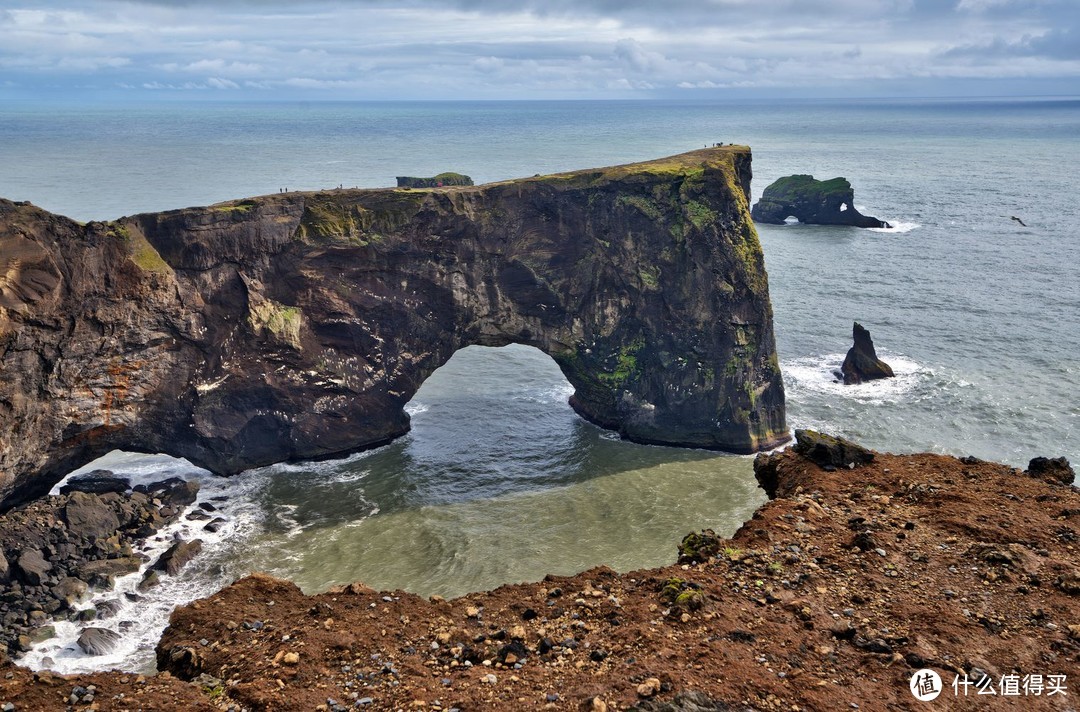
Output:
x,y
802,187
689,163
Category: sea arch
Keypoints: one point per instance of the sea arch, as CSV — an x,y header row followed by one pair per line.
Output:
x,y
297,326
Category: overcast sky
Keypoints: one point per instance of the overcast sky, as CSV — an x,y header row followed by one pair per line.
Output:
x,y
498,49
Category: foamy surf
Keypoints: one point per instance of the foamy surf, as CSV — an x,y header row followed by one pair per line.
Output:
x,y
141,616
897,226
819,374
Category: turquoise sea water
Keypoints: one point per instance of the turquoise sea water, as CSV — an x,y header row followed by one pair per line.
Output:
x,y
499,481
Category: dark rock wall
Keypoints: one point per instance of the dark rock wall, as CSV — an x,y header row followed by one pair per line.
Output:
x,y
297,326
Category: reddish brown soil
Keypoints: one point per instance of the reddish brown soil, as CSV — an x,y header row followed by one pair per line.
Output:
x,y
979,570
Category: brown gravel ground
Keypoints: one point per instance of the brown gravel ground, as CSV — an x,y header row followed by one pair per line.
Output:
x,y
829,598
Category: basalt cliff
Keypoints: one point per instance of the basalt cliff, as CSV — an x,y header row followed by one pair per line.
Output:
x,y
297,326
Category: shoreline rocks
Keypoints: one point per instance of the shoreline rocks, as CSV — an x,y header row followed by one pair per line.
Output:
x,y
55,550
819,601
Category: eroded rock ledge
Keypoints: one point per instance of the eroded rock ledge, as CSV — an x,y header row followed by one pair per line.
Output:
x,y
297,326
863,568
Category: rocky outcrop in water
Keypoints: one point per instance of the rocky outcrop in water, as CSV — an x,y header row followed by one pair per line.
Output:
x,y
814,202
61,547
861,363
297,326
443,180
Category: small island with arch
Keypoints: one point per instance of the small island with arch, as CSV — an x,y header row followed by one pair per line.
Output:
x,y
813,202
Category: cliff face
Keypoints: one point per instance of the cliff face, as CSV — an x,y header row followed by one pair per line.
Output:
x,y
297,326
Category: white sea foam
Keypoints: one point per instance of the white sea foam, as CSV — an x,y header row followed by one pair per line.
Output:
x,y
819,374
554,394
141,622
897,226
414,408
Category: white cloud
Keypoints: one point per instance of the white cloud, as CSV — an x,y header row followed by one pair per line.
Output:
x,y
489,48
219,83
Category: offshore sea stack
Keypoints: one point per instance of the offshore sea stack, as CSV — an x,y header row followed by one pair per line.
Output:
x,y
297,326
862,363
442,180
814,202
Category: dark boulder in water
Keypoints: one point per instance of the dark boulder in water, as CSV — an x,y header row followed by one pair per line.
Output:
x,y
102,572
98,641
177,556
174,491
109,608
814,202
96,482
215,525
862,363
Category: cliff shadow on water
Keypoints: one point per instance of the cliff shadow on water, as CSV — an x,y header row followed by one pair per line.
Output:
x,y
297,326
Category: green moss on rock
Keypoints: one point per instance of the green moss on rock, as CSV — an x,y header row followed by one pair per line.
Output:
x,y
700,214
278,322
239,207
699,546
140,251
646,206
626,365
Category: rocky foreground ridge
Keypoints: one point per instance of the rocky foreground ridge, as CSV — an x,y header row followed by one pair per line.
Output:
x,y
297,326
862,569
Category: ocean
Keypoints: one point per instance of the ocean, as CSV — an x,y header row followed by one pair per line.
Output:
x,y
499,481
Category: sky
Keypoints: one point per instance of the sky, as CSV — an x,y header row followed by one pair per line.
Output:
x,y
536,49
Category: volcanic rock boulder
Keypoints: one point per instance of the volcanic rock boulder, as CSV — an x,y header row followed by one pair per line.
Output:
x,y
177,556
33,568
830,451
297,326
861,363
96,482
814,202
1052,469
88,515
98,641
